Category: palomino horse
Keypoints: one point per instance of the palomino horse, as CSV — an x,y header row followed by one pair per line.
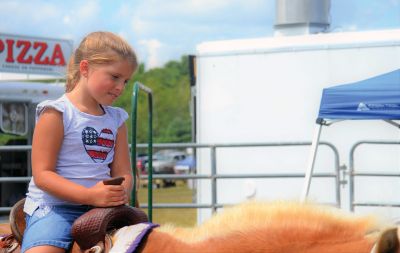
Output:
x,y
256,227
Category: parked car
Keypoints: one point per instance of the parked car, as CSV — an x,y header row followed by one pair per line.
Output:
x,y
185,166
164,162
141,161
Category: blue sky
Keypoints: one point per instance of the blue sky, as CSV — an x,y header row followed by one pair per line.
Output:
x,y
163,30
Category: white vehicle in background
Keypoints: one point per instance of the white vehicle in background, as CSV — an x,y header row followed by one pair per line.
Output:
x,y
18,102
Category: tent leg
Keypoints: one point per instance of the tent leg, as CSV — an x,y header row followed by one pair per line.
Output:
x,y
311,162
391,122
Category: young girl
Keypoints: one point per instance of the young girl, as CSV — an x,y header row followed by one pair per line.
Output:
x,y
80,140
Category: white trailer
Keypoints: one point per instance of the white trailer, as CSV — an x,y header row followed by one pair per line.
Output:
x,y
268,90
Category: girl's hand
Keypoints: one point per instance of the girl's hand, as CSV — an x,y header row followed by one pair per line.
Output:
x,y
101,195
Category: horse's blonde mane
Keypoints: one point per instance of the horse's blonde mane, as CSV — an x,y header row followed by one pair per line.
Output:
x,y
279,215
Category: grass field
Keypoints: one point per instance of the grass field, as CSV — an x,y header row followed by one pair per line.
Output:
x,y
177,194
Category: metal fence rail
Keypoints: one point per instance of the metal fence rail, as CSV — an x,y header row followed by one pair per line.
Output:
x,y
353,174
213,176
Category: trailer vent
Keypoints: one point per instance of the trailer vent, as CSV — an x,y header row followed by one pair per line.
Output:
x,y
296,17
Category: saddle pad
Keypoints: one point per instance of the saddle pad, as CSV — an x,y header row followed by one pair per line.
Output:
x,y
128,238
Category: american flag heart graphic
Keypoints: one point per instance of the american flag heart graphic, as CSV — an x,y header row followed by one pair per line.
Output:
x,y
97,145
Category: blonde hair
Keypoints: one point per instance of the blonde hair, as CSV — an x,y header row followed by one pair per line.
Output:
x,y
98,48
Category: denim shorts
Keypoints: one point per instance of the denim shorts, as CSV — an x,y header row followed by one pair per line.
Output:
x,y
51,226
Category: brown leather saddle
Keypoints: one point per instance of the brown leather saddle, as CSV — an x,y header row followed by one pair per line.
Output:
x,y
90,231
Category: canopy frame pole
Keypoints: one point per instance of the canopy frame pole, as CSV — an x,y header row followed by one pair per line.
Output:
x,y
311,161
391,122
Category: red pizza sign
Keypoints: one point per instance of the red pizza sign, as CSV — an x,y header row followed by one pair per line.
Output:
x,y
31,55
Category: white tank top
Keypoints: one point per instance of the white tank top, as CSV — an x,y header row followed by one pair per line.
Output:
x,y
86,152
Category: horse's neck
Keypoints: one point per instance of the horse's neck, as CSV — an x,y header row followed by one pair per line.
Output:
x,y
257,241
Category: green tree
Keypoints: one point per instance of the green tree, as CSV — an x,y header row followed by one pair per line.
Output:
x,y
171,102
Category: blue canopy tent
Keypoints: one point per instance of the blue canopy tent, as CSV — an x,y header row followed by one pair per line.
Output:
x,y
374,98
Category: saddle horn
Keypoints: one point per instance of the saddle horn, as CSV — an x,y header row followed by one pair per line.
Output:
x,y
91,227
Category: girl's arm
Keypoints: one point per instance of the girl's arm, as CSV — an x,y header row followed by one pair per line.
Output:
x,y
46,144
121,165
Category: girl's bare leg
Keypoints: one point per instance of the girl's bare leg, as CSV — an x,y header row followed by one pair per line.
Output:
x,y
45,249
